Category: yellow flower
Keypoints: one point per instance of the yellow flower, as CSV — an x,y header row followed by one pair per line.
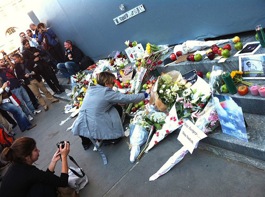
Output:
x,y
236,75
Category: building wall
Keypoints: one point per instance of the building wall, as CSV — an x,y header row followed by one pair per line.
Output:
x,y
89,23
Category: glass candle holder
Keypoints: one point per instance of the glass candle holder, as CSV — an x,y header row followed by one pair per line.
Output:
x,y
262,91
254,90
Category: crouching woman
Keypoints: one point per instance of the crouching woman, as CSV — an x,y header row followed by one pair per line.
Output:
x,y
22,178
98,117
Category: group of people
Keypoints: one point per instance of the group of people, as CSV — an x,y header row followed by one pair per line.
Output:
x,y
99,118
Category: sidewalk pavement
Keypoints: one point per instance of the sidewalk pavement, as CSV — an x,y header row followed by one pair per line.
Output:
x,y
200,174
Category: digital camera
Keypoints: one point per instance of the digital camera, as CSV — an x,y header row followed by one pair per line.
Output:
x,y
61,143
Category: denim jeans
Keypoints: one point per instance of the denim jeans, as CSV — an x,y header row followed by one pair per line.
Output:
x,y
26,103
18,114
68,68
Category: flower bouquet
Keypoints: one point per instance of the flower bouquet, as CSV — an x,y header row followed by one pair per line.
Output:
x,y
164,93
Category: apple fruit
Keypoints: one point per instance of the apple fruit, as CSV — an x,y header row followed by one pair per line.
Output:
x,y
215,49
200,74
190,58
214,46
145,86
238,46
219,52
242,90
227,46
141,103
208,75
224,89
173,57
197,57
211,55
134,109
179,53
236,39
226,53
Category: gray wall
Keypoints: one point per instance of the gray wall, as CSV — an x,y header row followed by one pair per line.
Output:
x,y
89,23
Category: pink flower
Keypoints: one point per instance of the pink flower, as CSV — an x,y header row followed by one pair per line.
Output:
x,y
149,61
187,105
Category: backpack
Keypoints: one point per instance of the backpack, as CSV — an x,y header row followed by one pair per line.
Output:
x,y
5,139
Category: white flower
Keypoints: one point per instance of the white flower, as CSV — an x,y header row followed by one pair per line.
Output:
x,y
161,91
163,86
175,88
186,92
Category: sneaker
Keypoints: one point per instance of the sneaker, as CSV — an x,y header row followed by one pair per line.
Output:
x,y
99,143
30,117
55,100
37,111
46,108
32,126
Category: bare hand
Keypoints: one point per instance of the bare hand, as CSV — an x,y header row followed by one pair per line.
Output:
x,y
27,75
36,59
36,53
56,156
65,150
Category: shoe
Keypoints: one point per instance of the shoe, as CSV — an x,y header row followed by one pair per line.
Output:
x,y
37,111
61,88
99,143
86,146
46,108
55,100
11,133
30,117
14,125
32,126
112,141
58,92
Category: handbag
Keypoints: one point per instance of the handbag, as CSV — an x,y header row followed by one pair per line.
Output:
x,y
77,178
66,192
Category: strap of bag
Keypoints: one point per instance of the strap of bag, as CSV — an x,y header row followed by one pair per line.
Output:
x,y
76,173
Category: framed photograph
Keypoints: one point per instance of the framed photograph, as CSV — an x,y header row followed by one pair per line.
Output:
x,y
252,66
249,48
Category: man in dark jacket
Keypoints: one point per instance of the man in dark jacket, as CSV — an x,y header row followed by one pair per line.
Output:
x,y
73,58
35,57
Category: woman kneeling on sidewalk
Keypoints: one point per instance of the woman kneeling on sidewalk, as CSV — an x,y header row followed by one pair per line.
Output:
x,y
98,117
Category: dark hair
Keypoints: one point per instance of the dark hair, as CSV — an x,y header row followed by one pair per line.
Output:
x,y
16,55
41,25
29,30
69,42
19,150
105,78
24,42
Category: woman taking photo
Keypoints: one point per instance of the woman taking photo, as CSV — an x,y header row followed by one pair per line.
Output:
x,y
22,178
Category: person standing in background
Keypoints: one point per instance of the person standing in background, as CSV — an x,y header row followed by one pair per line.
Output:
x,y
51,39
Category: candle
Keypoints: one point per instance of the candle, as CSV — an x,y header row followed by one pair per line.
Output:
x,y
254,90
262,91
229,83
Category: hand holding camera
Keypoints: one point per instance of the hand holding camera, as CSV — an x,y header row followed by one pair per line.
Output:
x,y
64,148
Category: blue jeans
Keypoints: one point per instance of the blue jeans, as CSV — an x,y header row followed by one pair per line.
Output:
x,y
68,68
26,103
18,114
